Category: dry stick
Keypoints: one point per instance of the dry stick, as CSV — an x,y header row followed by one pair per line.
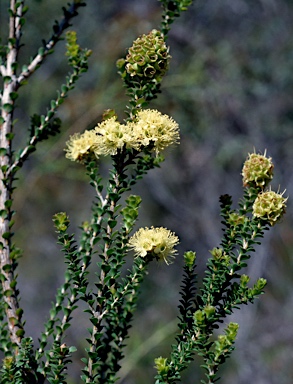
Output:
x,y
8,280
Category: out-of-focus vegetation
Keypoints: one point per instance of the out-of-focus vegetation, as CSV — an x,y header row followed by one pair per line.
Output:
x,y
230,89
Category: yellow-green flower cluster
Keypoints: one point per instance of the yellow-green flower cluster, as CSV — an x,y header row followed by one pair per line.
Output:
x,y
79,145
110,137
150,129
154,242
155,129
257,170
269,206
148,58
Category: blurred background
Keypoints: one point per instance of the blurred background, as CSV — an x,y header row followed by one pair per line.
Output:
x,y
230,89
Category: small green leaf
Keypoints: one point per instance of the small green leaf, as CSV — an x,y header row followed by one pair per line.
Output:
x,y
112,223
9,136
8,204
13,95
25,9
7,267
53,104
7,235
8,293
8,108
20,332
22,21
72,349
3,213
3,151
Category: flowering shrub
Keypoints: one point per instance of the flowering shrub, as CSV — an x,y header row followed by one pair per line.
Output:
x,y
134,148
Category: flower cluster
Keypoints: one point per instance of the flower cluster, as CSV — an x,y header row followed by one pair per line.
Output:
x,y
79,145
154,242
257,170
269,206
147,59
150,129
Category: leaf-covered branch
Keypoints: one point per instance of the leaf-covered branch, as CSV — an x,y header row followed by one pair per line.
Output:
x,y
58,29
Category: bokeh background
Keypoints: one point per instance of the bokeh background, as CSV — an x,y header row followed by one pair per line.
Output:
x,y
230,89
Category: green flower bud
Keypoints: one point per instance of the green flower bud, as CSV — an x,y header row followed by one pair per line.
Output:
x,y
261,283
269,206
73,48
8,362
231,331
61,221
161,365
189,258
209,310
199,317
257,170
244,279
223,344
235,219
147,60
219,255
258,286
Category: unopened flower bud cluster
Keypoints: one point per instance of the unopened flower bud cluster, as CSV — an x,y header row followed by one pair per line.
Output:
x,y
147,59
258,172
269,206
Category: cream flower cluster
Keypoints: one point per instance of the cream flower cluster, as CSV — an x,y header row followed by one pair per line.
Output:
x,y
155,242
149,129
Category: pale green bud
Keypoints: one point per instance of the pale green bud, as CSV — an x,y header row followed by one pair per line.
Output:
x,y
209,310
61,221
161,365
189,258
244,279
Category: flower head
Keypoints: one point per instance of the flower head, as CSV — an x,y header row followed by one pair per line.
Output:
x,y
257,170
269,206
153,128
110,136
153,242
150,129
80,145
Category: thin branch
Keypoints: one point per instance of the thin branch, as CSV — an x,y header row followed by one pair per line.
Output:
x,y
44,51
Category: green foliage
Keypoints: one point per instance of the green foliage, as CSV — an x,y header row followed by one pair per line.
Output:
x,y
171,10
110,294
